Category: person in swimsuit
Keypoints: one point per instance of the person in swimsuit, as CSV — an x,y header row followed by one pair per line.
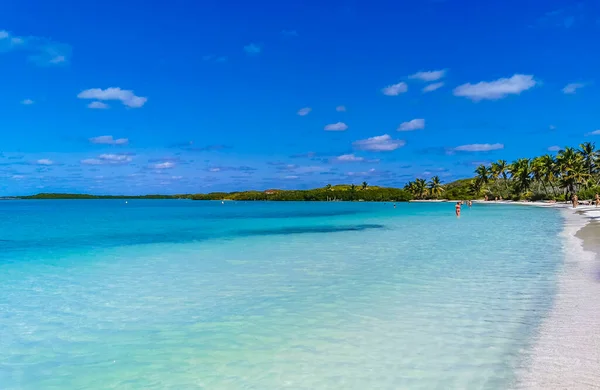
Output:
x,y
597,200
575,201
457,209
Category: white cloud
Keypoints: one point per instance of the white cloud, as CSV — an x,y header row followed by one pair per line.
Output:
x,y
554,148
381,143
215,169
44,161
340,126
552,127
98,105
432,87
414,124
252,49
595,132
340,108
478,147
176,177
42,51
572,88
367,173
27,102
108,140
496,89
431,75
395,89
349,158
290,177
304,111
163,165
127,97
103,159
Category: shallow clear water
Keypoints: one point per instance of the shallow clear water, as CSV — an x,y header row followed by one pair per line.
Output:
x,y
180,294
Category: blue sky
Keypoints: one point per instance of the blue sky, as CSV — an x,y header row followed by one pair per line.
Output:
x,y
144,97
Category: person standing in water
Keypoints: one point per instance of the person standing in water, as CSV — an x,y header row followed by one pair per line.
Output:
x,y
575,201
457,209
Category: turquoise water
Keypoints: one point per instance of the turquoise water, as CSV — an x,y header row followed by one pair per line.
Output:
x,y
184,295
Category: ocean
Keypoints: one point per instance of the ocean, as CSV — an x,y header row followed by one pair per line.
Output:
x,y
177,294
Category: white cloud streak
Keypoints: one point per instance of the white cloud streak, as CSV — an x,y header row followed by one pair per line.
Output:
x,y
105,159
571,89
381,143
163,165
340,126
108,140
432,87
349,158
304,111
414,124
127,97
98,105
395,89
497,89
428,76
478,147
44,161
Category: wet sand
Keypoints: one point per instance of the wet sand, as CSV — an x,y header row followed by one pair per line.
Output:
x,y
566,353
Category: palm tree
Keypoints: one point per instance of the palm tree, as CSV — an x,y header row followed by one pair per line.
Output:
x,y
573,172
549,171
364,185
538,172
521,172
421,188
588,152
328,187
499,169
483,176
435,187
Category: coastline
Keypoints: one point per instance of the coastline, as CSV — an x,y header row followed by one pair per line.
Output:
x,y
566,351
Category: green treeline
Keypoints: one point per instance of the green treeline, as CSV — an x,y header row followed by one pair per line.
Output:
x,y
571,172
86,196
328,193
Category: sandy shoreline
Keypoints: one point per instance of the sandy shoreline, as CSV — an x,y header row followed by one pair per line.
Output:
x,y
566,352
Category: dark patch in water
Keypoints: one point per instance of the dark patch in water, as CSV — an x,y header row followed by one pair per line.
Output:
x,y
284,214
309,229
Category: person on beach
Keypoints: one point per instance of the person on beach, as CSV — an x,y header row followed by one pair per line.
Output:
x,y
469,203
597,200
575,201
486,198
457,208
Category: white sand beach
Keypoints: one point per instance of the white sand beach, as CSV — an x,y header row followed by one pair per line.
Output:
x,y
566,353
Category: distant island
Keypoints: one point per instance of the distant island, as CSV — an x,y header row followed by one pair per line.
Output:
x,y
571,172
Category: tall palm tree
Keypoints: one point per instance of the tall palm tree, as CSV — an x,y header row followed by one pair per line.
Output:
x,y
421,188
573,172
435,187
521,173
364,185
538,171
499,169
549,171
483,176
588,152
